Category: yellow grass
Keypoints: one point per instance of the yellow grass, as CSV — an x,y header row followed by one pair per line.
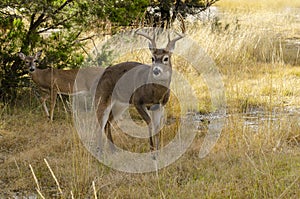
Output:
x,y
244,163
257,5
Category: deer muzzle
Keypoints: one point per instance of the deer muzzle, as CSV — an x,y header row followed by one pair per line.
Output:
x,y
161,73
31,69
157,71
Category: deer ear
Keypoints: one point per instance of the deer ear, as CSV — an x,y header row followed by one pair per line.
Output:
x,y
38,54
171,47
21,55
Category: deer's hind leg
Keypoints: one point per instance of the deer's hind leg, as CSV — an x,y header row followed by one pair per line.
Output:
x,y
53,102
116,111
43,99
109,136
103,112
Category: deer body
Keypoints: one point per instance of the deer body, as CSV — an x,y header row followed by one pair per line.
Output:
x,y
146,87
48,79
136,87
57,81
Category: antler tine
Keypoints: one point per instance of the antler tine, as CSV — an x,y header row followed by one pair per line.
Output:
x,y
171,43
152,40
182,23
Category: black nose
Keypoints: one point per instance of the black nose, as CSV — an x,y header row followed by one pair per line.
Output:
x,y
156,71
31,69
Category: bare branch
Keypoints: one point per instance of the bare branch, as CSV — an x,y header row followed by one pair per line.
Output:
x,y
43,18
62,7
56,24
35,24
87,38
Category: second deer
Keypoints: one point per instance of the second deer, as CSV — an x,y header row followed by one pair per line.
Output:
x,y
57,81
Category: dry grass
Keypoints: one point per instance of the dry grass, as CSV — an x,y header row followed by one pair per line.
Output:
x,y
257,156
246,162
269,5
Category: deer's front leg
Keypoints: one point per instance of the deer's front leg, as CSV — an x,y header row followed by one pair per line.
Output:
x,y
156,117
143,112
43,100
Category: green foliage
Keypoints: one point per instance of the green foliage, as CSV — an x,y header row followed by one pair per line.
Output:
x,y
55,27
163,13
125,12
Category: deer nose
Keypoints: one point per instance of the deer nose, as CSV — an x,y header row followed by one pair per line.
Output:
x,y
156,71
31,69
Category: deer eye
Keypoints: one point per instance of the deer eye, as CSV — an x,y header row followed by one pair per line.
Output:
x,y
153,60
35,61
165,59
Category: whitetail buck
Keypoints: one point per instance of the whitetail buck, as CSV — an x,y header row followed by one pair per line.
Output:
x,y
146,87
57,81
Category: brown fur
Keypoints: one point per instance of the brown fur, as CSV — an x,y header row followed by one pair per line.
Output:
x,y
57,81
144,86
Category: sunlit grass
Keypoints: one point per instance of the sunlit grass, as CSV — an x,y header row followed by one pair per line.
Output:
x,y
257,5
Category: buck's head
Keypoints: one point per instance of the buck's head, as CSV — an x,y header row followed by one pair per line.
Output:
x,y
161,57
30,61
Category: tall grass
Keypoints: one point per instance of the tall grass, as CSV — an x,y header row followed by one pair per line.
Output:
x,y
257,155
249,49
257,6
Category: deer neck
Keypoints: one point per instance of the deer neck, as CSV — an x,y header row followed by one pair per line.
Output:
x,y
41,78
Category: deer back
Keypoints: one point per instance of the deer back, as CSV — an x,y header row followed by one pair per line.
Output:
x,y
57,79
111,77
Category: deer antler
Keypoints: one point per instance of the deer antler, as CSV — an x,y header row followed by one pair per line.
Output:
x,y
152,40
171,43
